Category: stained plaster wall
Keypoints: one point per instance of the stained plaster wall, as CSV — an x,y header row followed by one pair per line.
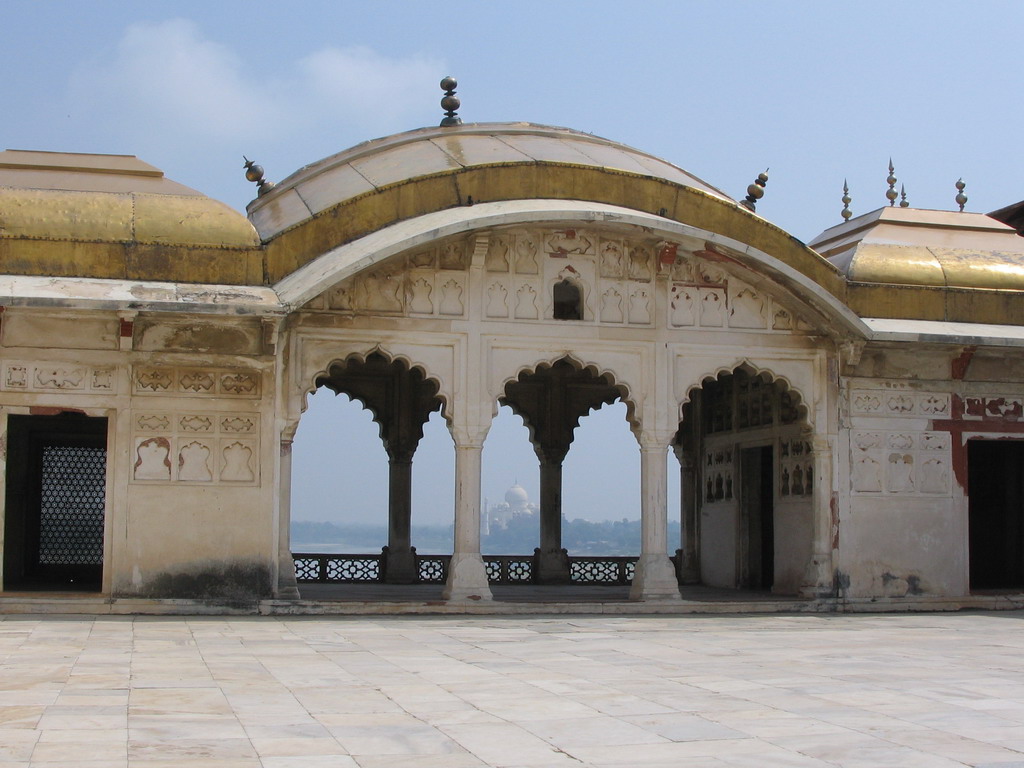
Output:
x,y
908,413
190,457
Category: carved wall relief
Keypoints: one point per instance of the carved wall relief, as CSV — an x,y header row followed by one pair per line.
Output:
x,y
747,310
902,462
569,241
613,259
712,307
451,297
152,459
683,306
195,447
526,255
237,466
498,251
526,303
611,305
783,320
497,300
194,463
196,382
641,259
420,302
899,402
454,256
62,377
640,306
718,475
1005,408
796,468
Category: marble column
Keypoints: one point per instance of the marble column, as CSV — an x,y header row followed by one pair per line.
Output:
x,y
818,576
400,561
552,561
689,550
467,577
286,588
655,577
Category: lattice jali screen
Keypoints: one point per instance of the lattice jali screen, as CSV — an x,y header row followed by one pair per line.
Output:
x,y
71,505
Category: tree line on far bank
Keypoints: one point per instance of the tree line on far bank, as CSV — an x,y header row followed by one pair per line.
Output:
x,y
581,537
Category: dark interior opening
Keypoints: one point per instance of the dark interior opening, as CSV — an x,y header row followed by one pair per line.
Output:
x,y
757,515
995,483
568,301
55,497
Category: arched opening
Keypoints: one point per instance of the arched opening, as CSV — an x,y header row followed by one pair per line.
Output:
x,y
567,301
400,400
601,497
747,484
551,400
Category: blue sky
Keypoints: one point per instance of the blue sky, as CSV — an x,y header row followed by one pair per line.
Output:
x,y
818,91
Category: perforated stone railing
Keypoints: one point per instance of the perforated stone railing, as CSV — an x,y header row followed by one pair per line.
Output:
x,y
433,569
337,569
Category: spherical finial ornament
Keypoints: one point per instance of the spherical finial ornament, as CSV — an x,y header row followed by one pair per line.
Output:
x,y
846,212
450,102
254,173
961,198
903,197
890,193
755,191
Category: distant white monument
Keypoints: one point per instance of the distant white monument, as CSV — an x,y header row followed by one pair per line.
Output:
x,y
517,504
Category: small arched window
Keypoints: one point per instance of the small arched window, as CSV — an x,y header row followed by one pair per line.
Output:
x,y
568,301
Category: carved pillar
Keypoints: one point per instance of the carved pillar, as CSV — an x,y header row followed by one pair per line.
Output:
x,y
655,577
689,551
818,575
286,589
551,401
400,560
401,401
552,561
467,577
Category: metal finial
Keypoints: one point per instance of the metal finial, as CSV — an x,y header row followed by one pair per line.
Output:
x,y
903,197
254,173
755,191
890,193
961,198
846,212
450,102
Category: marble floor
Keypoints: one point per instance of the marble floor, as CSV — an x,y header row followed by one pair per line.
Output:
x,y
871,691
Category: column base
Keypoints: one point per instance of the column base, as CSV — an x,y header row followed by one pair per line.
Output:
x,y
287,588
552,566
467,579
689,572
400,565
654,579
819,581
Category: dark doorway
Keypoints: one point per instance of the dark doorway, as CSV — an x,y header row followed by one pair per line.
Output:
x,y
56,487
757,519
995,483
568,301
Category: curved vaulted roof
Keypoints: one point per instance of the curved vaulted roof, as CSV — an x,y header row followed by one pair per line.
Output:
x,y
104,217
115,216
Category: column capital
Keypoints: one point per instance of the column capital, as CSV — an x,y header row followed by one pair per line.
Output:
x,y
655,439
468,436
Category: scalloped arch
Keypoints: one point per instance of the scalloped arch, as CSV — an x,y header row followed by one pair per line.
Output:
x,y
606,373
391,357
744,363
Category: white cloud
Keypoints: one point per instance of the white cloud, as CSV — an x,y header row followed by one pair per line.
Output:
x,y
168,82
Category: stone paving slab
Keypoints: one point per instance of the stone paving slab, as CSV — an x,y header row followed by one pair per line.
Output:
x,y
777,691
